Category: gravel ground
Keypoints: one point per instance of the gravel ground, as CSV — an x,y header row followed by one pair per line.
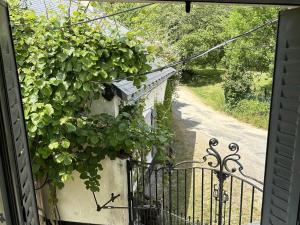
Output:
x,y
195,123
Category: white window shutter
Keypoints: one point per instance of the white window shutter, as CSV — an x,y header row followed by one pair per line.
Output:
x,y
282,176
16,146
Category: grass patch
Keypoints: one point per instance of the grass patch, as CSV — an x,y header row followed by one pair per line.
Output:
x,y
253,112
206,83
250,111
212,95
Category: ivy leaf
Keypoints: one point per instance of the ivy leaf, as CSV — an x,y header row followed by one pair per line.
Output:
x,y
103,74
48,109
86,87
65,177
80,122
67,160
53,145
70,127
45,152
69,67
61,76
59,158
65,143
63,120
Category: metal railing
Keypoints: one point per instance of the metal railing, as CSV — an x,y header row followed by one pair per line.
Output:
x,y
190,193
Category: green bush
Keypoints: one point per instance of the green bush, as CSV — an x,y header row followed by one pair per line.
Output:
x,y
252,111
237,85
262,85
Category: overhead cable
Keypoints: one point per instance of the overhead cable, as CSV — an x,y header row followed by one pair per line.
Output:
x,y
205,52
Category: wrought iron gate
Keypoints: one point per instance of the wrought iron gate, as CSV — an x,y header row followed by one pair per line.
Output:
x,y
212,191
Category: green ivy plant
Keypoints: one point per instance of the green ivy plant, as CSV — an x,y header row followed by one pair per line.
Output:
x,y
62,68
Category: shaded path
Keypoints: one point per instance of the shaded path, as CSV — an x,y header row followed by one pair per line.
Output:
x,y
195,123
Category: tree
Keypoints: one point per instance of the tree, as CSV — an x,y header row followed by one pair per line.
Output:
x,y
252,53
178,34
237,85
256,51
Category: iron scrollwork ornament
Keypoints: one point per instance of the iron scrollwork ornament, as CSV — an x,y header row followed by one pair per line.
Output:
x,y
224,169
223,163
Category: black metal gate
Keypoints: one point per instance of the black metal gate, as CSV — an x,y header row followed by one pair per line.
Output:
x,y
214,191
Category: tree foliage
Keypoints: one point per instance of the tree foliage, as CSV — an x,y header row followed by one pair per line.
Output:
x,y
176,33
252,53
182,35
237,85
62,69
256,51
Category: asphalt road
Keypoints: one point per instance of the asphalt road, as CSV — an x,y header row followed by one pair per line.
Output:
x,y
195,123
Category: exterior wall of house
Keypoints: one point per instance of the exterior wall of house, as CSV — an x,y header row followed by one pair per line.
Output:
x,y
101,105
157,95
76,204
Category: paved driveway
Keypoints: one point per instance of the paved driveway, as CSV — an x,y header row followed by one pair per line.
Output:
x,y
195,123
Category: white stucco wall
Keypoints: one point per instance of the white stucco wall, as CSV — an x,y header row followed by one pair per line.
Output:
x,y
157,95
77,204
101,105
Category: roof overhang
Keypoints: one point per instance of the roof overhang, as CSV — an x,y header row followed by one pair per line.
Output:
x,y
257,2
129,93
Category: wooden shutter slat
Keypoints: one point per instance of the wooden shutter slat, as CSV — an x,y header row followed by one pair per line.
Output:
x,y
288,116
284,150
285,139
289,104
287,127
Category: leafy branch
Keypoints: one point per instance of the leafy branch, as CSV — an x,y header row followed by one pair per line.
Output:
x,y
62,68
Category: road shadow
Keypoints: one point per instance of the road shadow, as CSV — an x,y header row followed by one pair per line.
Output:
x,y
184,147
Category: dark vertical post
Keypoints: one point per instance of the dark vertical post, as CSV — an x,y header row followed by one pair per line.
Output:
x,y
185,207
193,195
202,195
220,192
230,200
241,202
163,194
128,166
252,205
224,213
143,183
211,196
138,195
156,197
150,193
170,193
177,190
